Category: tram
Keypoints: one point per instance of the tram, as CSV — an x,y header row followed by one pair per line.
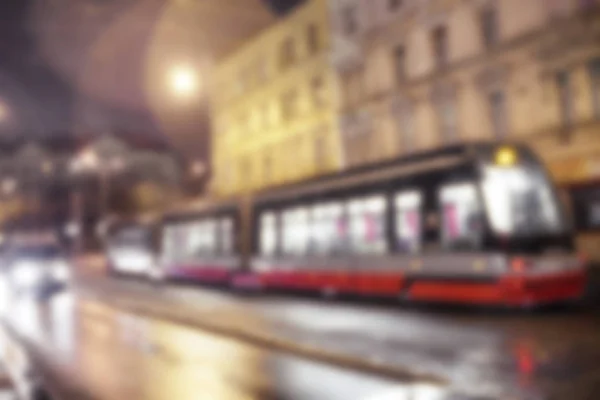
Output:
x,y
476,223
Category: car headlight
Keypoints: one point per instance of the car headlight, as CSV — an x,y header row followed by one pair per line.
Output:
x,y
26,274
60,271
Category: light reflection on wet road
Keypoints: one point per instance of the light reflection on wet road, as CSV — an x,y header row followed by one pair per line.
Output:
x,y
542,355
120,356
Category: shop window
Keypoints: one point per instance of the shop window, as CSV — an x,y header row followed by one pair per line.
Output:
x,y
295,231
408,221
461,216
268,234
329,229
366,217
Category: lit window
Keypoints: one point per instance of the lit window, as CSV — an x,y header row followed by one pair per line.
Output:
x,y
408,222
367,217
328,229
296,231
520,201
268,234
462,223
201,238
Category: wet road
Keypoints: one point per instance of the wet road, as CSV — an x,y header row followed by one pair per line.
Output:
x,y
111,354
552,354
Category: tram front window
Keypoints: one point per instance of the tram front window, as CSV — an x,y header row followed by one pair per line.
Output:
x,y
520,201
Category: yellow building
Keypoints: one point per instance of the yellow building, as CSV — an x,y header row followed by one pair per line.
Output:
x,y
273,106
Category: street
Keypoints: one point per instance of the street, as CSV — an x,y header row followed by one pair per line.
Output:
x,y
114,353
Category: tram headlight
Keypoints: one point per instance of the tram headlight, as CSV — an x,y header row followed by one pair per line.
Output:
x,y
506,156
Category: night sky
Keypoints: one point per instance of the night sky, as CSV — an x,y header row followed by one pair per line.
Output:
x,y
41,100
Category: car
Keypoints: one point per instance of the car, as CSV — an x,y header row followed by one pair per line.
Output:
x,y
39,270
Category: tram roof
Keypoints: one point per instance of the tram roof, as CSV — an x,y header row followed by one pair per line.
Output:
x,y
425,161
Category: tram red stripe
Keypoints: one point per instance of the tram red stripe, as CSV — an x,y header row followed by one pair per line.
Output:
x,y
200,273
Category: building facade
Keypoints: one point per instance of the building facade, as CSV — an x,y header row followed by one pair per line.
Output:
x,y
419,74
273,106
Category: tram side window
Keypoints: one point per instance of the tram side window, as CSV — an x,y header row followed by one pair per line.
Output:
x,y
226,231
173,240
296,231
408,221
202,238
461,216
328,229
367,218
268,234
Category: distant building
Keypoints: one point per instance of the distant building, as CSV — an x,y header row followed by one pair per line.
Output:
x,y
419,74
274,116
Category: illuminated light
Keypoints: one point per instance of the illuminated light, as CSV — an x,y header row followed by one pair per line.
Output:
x,y
184,81
506,157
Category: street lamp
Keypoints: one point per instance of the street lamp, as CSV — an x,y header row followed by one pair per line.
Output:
x,y
197,169
183,81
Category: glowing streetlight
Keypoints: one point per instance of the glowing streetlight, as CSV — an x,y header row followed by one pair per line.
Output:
x,y
183,81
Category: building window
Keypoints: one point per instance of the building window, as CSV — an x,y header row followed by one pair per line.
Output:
x,y
318,91
565,97
447,119
400,63
489,26
594,70
394,4
287,53
498,114
349,21
439,40
312,37
288,104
